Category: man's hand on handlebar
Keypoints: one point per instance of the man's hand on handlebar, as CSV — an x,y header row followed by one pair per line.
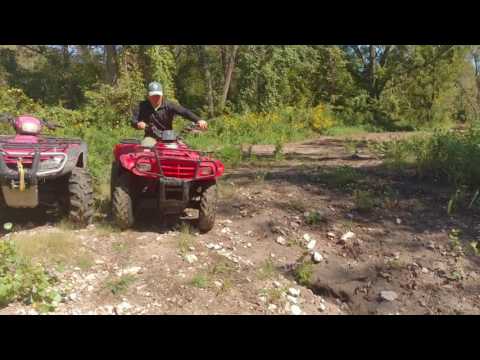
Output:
x,y
141,125
202,124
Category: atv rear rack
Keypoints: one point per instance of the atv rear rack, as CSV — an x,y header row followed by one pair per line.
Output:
x,y
45,141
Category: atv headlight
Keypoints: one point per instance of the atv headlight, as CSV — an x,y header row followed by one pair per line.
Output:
x,y
30,128
144,165
206,171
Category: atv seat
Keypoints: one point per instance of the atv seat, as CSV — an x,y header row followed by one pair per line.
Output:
x,y
130,141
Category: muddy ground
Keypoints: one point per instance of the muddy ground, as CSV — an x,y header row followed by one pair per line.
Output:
x,y
399,256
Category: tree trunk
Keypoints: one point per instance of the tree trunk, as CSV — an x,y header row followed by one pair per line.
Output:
x,y
228,75
372,64
202,54
111,65
476,59
66,56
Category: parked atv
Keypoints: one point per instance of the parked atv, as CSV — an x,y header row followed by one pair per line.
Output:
x,y
168,176
41,170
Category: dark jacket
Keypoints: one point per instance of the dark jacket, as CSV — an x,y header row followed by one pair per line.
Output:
x,y
162,118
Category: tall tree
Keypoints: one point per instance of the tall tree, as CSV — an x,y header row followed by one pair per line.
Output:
x,y
475,52
205,63
111,64
231,56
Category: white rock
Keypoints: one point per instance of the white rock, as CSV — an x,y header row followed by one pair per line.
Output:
x,y
225,230
294,292
123,306
263,299
191,248
295,310
311,244
154,257
99,262
210,246
347,236
306,237
129,271
218,284
331,234
272,307
399,221
280,240
217,247
388,295
190,258
249,245
322,307
90,277
277,284
292,299
317,257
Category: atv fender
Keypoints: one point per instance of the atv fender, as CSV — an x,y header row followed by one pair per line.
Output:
x,y
127,161
77,157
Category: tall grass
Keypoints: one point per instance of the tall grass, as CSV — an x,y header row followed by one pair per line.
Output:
x,y
227,133
445,155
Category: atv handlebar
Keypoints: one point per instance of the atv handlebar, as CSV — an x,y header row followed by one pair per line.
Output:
x,y
6,117
51,125
188,129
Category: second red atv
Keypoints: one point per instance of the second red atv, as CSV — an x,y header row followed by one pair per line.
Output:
x,y
168,175
41,170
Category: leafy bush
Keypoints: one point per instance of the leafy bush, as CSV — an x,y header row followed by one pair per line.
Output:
x,y
228,132
20,280
303,273
321,118
445,155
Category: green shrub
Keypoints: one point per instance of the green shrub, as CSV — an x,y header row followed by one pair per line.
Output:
x,y
287,124
304,272
20,280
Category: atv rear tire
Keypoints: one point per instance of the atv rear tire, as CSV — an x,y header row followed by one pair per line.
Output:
x,y
80,189
113,178
122,202
207,208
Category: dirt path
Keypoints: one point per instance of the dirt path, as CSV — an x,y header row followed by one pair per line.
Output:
x,y
397,259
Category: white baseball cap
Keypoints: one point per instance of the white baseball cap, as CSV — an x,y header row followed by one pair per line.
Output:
x,y
155,88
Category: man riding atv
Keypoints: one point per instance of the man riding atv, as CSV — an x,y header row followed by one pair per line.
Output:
x,y
159,112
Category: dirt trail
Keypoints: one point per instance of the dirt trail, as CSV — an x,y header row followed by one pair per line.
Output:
x,y
399,259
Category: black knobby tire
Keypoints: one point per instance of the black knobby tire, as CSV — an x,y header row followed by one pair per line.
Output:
x,y
80,189
122,202
3,209
207,208
113,178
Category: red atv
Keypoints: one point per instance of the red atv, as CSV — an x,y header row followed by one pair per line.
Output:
x,y
168,175
40,170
